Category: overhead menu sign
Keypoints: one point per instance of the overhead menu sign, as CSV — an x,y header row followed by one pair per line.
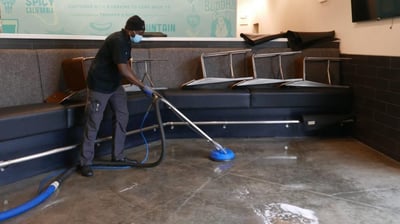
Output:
x,y
176,18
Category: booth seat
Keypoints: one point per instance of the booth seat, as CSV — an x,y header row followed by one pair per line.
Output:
x,y
267,112
31,129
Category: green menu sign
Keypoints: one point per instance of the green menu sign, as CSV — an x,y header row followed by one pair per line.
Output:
x,y
176,18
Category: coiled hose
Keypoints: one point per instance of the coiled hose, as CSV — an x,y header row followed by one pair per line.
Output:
x,y
44,195
111,164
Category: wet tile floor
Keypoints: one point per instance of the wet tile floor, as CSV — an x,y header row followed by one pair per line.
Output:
x,y
271,180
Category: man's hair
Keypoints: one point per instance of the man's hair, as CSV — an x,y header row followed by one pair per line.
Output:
x,y
135,23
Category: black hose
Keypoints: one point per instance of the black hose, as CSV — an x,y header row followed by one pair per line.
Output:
x,y
156,103
60,178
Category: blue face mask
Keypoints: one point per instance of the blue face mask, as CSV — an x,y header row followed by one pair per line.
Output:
x,y
137,38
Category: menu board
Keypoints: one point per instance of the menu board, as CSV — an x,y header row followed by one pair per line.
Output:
x,y
176,18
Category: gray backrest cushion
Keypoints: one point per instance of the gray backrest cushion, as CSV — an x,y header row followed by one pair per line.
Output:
x,y
20,79
180,65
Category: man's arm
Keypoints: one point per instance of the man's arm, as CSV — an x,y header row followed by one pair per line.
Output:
x,y
127,72
129,75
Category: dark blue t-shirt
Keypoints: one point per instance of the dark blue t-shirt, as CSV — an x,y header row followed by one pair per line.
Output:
x,y
103,75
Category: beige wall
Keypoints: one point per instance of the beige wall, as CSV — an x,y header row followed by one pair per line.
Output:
x,y
250,12
366,38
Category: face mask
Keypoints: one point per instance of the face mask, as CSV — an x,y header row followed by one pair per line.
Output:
x,y
137,38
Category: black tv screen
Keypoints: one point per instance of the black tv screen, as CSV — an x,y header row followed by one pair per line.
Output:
x,y
364,10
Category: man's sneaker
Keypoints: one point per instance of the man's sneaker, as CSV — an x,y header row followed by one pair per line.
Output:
x,y
86,171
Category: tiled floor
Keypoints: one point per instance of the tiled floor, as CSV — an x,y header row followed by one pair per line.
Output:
x,y
272,180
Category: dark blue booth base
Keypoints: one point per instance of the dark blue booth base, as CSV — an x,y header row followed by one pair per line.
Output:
x,y
32,129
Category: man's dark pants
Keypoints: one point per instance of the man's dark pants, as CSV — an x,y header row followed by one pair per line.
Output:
x,y
95,106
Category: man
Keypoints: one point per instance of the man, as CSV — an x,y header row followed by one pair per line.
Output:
x,y
110,65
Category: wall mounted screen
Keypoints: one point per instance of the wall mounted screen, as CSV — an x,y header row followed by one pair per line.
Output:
x,y
364,10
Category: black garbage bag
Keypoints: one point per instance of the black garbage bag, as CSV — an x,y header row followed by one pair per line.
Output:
x,y
301,40
254,39
296,40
